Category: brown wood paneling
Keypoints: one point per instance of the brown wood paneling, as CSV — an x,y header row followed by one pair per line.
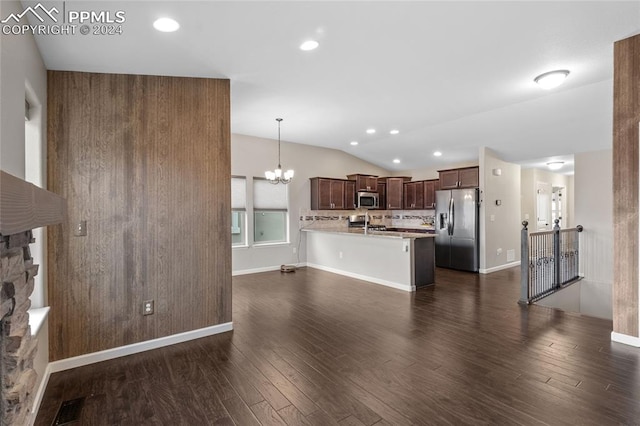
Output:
x,y
626,115
145,161
24,206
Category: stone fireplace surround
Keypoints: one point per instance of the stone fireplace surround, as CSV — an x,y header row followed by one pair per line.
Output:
x,y
23,207
18,346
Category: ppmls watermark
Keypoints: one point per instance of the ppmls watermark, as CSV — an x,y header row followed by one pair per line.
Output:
x,y
65,22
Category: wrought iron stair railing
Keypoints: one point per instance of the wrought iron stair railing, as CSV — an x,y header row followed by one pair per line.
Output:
x,y
549,261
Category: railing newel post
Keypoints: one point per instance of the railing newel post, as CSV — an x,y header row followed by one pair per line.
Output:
x,y
556,253
524,264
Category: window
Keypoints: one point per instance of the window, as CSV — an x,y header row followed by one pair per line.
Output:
x,y
238,211
270,214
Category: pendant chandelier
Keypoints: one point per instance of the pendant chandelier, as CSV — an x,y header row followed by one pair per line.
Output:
x,y
276,176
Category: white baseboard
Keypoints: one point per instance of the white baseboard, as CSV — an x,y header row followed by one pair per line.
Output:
x,y
499,268
364,277
37,399
626,339
264,269
79,361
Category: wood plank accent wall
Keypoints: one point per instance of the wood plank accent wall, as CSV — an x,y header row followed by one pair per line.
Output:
x,y
24,206
626,115
145,160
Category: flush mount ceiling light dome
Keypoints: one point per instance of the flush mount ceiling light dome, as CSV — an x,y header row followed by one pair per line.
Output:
x,y
166,25
396,160
354,143
551,79
437,154
394,132
371,131
555,165
275,177
309,45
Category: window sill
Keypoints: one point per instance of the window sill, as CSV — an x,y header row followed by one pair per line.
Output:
x,y
244,246
267,245
37,317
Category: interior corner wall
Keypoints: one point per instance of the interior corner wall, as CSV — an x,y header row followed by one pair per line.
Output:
x,y
594,211
252,156
145,161
21,66
499,224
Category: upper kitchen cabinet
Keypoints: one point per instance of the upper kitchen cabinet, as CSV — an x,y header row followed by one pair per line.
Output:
x,y
328,194
430,188
350,195
382,193
395,190
365,182
467,177
414,195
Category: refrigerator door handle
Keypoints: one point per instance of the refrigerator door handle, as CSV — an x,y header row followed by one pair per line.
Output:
x,y
450,223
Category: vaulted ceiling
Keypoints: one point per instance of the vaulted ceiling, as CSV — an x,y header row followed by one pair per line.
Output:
x,y
450,76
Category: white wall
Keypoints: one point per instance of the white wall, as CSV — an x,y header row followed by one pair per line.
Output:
x,y
499,225
252,156
23,75
593,182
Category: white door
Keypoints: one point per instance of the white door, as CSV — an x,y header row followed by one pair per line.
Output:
x,y
557,205
543,206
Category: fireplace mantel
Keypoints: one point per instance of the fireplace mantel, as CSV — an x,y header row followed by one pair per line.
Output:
x,y
24,206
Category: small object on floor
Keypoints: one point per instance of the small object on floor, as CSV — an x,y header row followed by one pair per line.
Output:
x,y
288,268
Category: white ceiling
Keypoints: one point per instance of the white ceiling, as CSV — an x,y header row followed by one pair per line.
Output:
x,y
451,76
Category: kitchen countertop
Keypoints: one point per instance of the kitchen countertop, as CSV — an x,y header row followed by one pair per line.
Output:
x,y
377,234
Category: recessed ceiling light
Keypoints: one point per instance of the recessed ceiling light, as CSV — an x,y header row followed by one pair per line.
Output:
x,y
309,45
354,143
166,25
396,160
555,165
394,132
551,79
437,153
371,131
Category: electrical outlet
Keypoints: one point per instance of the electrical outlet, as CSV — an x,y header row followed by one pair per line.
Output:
x,y
295,250
340,255
499,251
147,307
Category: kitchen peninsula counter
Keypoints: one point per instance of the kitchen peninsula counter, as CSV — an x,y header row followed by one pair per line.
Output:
x,y
402,260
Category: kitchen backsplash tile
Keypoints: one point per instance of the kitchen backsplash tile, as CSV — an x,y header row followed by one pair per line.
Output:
x,y
318,219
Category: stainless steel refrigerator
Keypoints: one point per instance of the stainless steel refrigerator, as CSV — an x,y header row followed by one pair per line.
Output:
x,y
458,229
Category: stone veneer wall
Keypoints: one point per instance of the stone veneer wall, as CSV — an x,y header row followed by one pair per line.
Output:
x,y
17,346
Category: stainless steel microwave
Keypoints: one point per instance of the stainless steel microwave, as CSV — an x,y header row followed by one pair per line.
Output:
x,y
368,200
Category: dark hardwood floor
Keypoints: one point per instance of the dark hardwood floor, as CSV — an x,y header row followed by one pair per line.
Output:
x,y
314,348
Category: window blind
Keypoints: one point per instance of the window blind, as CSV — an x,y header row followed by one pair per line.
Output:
x,y
238,193
267,196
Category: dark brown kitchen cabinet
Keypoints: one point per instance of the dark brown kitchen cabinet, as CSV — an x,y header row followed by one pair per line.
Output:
x,y
382,195
414,195
327,194
430,188
365,182
350,195
395,189
467,177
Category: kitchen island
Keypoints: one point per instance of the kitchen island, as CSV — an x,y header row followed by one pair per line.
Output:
x,y
402,260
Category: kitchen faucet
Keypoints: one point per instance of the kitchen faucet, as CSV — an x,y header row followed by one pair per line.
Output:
x,y
366,221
